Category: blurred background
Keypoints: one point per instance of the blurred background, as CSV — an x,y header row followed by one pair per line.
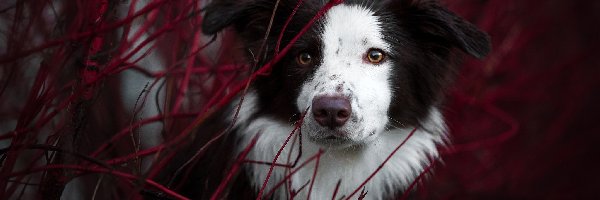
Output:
x,y
95,94
524,120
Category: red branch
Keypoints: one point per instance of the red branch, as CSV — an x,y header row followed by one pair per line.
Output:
x,y
234,169
414,182
99,170
382,164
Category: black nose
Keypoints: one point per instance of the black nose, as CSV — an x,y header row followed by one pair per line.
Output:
x,y
331,111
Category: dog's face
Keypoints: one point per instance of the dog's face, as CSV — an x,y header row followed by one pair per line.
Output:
x,y
349,92
363,68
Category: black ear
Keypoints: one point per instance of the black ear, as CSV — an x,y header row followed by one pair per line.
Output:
x,y
427,18
221,14
246,16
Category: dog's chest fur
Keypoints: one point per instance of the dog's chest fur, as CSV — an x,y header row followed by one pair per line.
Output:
x,y
351,167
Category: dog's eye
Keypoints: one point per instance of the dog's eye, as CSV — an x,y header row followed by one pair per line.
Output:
x,y
304,58
375,56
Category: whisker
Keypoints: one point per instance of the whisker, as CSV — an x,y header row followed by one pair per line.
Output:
x,y
401,125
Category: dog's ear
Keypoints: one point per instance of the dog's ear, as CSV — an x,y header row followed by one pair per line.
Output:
x,y
428,20
245,15
220,14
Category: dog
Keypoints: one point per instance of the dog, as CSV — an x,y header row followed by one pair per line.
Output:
x,y
361,90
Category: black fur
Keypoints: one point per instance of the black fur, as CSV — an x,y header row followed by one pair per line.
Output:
x,y
424,35
280,88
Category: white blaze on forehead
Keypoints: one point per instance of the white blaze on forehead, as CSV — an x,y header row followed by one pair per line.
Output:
x,y
354,28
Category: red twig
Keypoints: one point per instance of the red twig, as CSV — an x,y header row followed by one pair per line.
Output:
x,y
382,164
234,169
337,188
125,131
414,182
314,177
287,22
298,125
183,86
278,57
82,35
288,176
100,170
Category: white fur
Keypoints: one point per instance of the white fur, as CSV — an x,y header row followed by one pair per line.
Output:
x,y
349,32
351,165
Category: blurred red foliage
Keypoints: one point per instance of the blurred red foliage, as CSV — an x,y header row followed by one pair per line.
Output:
x,y
522,120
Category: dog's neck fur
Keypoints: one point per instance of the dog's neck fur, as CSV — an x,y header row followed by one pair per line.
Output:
x,y
351,166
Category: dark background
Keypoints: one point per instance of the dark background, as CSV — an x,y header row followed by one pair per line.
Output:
x,y
524,121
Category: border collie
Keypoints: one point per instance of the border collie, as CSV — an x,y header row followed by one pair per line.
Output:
x,y
361,79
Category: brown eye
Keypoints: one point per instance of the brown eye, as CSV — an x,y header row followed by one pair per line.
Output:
x,y
304,59
375,56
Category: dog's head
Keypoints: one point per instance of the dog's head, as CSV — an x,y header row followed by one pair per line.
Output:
x,y
363,68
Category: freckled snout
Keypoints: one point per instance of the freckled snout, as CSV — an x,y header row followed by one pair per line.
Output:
x,y
331,111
